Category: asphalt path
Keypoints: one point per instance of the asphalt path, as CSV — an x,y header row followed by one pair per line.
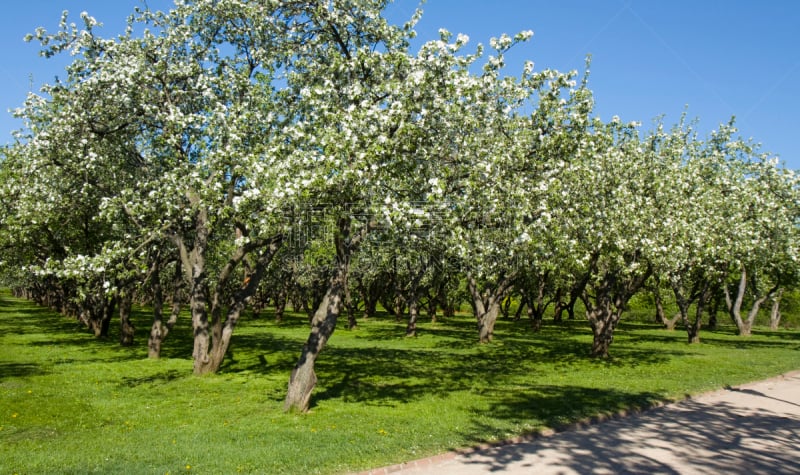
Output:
x,y
750,429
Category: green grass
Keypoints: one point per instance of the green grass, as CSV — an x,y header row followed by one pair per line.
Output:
x,y
73,404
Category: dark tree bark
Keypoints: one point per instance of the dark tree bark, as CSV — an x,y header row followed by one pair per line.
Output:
x,y
560,306
431,305
694,329
280,302
212,338
398,307
684,297
156,334
223,330
193,262
96,312
660,315
200,325
520,308
535,318
505,307
604,308
535,298
603,319
351,305
370,303
713,308
104,309
412,292
575,292
303,378
486,304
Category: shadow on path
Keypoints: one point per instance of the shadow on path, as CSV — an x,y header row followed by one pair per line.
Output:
x,y
667,440
752,430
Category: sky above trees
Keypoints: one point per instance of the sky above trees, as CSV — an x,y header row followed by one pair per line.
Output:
x,y
719,58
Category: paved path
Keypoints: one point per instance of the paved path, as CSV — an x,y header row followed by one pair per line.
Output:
x,y
752,429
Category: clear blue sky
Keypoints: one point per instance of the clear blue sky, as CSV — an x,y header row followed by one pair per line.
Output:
x,y
718,57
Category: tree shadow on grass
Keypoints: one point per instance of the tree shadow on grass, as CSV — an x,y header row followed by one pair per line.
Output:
x,y
29,318
391,376
20,370
262,353
792,335
742,342
678,339
155,379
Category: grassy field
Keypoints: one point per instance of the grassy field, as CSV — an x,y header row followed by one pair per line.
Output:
x,y
73,404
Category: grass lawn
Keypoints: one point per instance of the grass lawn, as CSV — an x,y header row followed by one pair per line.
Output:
x,y
72,404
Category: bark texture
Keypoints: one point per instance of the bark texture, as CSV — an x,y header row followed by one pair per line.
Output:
x,y
486,304
323,322
610,293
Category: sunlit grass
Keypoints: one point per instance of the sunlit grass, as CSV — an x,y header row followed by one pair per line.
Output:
x,y
73,404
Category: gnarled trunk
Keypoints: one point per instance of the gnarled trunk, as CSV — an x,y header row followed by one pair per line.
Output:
x,y
536,301
432,306
323,323
413,291
604,309
603,323
603,317
96,313
560,306
487,317
693,330
351,305
222,331
535,317
398,307
303,378
699,293
200,326
370,304
486,305
575,292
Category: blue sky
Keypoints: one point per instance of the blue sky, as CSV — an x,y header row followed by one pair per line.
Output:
x,y
718,58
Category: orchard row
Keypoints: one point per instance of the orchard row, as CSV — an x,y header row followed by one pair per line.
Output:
x,y
225,154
